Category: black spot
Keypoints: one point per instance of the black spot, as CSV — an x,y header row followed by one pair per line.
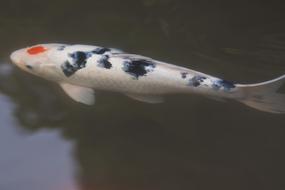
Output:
x,y
104,62
184,75
138,68
196,81
79,60
61,48
68,69
29,67
227,85
101,51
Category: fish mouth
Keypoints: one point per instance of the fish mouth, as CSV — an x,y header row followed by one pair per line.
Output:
x,y
16,58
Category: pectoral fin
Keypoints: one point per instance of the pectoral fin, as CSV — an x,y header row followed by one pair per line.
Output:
x,y
79,94
147,98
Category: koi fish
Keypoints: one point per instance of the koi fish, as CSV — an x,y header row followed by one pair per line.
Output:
x,y
82,69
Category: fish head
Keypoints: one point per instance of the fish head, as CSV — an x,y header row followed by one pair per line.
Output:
x,y
40,60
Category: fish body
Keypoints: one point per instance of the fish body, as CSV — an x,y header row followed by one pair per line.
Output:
x,y
81,69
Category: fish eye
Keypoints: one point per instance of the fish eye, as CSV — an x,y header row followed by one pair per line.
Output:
x,y
36,50
29,67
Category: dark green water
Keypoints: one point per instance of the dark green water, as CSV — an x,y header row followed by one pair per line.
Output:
x,y
48,142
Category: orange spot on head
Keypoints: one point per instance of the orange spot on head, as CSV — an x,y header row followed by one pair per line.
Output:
x,y
36,50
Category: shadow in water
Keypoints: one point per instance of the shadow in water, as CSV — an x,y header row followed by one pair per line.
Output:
x,y
123,144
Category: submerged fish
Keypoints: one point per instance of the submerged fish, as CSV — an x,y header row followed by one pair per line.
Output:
x,y
81,69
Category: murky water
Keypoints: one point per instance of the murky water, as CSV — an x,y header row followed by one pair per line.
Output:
x,y
48,142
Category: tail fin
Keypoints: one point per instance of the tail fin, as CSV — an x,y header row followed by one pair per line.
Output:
x,y
264,96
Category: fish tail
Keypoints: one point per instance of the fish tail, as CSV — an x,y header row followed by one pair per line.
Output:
x,y
263,96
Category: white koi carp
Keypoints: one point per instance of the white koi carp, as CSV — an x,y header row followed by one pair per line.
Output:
x,y
82,69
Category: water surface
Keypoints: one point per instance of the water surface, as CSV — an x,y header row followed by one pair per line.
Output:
x,y
48,142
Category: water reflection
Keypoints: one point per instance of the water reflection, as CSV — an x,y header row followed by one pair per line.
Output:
x,y
186,143
175,145
38,161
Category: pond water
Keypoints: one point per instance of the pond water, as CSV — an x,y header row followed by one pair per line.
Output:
x,y
48,142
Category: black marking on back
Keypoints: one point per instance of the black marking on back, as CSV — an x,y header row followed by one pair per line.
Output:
x,y
101,51
226,85
68,69
104,62
196,81
138,68
79,60
184,75
61,48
